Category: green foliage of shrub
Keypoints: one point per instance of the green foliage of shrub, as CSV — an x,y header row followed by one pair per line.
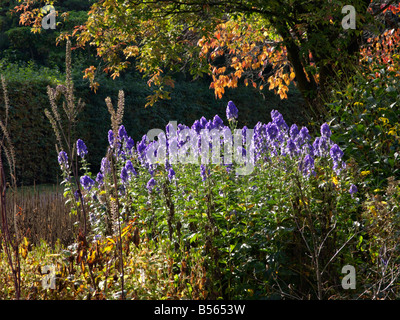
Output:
x,y
26,73
366,122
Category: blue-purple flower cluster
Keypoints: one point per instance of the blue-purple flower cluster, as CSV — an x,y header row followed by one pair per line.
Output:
x,y
276,139
63,160
231,111
201,144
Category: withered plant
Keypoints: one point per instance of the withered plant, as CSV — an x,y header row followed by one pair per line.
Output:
x,y
64,125
10,239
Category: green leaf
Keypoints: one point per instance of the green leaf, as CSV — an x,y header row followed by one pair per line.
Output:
x,y
193,237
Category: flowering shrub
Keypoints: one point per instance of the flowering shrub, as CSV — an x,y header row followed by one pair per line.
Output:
x,y
262,205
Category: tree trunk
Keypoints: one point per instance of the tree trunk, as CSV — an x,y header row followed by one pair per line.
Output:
x,y
306,85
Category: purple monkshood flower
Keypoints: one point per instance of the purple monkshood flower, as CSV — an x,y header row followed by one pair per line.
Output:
x,y
197,126
291,147
294,131
303,136
316,147
122,132
124,175
121,155
130,143
203,122
259,139
272,131
150,184
203,172
277,118
260,129
308,165
167,164
244,134
81,148
76,195
63,159
181,127
353,189
129,166
87,182
170,130
231,111
111,138
217,122
105,166
209,125
323,146
171,174
325,130
336,153
100,178
141,147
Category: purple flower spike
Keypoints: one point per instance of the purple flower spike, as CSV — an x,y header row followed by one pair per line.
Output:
x,y
203,172
111,137
129,166
291,147
86,182
150,184
336,153
277,118
197,126
81,148
130,143
325,130
105,166
217,122
353,189
100,178
124,175
122,134
171,174
304,135
308,165
272,131
294,131
231,111
203,122
63,159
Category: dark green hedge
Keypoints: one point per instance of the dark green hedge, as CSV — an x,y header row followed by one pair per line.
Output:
x,y
33,139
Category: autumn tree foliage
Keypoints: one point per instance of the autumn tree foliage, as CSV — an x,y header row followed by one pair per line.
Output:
x,y
260,43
